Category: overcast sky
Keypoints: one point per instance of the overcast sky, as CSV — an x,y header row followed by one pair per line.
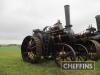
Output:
x,y
19,17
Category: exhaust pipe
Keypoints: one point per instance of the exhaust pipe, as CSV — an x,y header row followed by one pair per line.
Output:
x,y
98,22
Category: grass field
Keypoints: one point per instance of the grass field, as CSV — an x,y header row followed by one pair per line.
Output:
x,y
11,64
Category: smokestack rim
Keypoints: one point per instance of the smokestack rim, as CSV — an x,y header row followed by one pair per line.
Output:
x,y
66,5
97,16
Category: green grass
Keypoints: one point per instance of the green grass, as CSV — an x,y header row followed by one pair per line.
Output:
x,y
11,64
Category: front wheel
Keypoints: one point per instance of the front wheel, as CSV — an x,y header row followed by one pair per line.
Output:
x,y
31,49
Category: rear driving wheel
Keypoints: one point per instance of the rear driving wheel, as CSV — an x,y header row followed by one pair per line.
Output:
x,y
67,53
93,46
81,52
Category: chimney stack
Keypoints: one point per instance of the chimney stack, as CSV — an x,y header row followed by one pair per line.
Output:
x,y
67,16
98,22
